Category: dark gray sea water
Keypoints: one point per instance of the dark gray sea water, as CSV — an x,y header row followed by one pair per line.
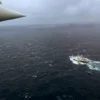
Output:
x,y
35,65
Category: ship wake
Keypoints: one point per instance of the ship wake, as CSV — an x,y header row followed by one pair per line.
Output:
x,y
80,60
94,65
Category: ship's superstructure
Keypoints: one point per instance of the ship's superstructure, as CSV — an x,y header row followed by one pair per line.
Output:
x,y
79,60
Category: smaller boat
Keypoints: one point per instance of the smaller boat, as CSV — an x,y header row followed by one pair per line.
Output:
x,y
79,60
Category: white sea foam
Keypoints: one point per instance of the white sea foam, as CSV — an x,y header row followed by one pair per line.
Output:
x,y
94,65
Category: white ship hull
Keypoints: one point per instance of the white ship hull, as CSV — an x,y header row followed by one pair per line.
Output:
x,y
80,60
75,61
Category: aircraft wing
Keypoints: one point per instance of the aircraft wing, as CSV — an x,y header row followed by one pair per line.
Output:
x,y
7,14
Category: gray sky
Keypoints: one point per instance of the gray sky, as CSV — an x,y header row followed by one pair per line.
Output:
x,y
54,11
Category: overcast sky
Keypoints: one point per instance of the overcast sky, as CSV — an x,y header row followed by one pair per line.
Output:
x,y
54,11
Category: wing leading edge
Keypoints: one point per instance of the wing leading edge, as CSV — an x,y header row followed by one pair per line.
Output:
x,y
7,14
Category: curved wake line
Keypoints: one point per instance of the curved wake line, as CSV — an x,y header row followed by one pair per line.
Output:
x,y
80,60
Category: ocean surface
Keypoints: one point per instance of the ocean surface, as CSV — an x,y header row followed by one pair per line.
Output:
x,y
35,65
